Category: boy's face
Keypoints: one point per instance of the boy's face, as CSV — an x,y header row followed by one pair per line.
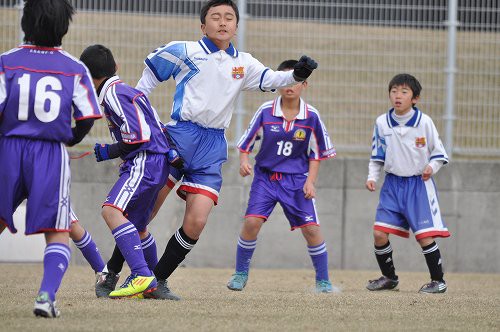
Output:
x,y
293,91
402,99
220,25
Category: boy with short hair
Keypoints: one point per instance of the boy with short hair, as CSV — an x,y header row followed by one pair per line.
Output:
x,y
40,84
407,146
293,142
135,127
209,74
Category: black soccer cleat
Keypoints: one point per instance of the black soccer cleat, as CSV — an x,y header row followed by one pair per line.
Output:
x,y
106,283
434,287
382,283
162,292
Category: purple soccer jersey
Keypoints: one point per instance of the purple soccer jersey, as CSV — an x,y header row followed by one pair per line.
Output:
x,y
39,88
287,146
131,118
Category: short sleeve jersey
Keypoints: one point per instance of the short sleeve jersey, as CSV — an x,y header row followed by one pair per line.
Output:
x,y
406,149
209,80
287,146
131,118
40,90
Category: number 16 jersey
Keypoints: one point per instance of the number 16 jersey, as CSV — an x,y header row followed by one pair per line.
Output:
x,y
287,146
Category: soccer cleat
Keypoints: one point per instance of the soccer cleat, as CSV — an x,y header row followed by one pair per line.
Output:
x,y
382,283
238,281
44,307
105,283
324,286
162,292
134,285
434,287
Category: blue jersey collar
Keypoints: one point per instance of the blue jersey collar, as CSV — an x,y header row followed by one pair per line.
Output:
x,y
209,47
413,122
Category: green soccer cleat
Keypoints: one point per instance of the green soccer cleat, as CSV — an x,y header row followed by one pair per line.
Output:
x,y
133,286
44,307
238,281
323,286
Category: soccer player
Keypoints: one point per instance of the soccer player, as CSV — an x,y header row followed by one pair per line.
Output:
x,y
209,74
294,140
139,140
40,84
407,147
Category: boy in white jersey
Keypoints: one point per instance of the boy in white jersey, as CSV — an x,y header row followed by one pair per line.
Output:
x,y
407,146
209,75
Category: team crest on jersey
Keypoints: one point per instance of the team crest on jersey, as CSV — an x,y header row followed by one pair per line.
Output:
x,y
420,142
238,72
299,135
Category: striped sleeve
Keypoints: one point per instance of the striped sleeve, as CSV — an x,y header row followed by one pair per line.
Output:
x,y
166,62
320,144
378,145
85,104
254,130
438,153
3,90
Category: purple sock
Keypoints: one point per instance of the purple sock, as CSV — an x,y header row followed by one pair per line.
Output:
x,y
244,252
90,251
319,257
149,249
55,262
127,239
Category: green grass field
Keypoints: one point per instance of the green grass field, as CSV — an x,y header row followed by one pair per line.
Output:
x,y
274,300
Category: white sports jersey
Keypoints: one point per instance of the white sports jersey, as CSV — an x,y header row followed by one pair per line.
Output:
x,y
406,149
208,80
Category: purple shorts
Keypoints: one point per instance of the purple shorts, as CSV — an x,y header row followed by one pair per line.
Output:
x,y
39,171
135,192
269,188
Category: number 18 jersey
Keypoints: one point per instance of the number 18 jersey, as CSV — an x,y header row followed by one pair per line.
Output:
x,y
39,88
287,146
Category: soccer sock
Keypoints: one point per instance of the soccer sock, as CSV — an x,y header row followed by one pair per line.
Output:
x,y
385,262
127,239
115,263
55,262
90,251
433,259
319,257
244,252
177,248
149,249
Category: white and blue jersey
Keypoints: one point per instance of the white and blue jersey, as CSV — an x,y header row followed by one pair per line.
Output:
x,y
406,201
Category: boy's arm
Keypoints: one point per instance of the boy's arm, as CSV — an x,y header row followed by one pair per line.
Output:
x,y
309,188
147,82
111,151
245,166
80,130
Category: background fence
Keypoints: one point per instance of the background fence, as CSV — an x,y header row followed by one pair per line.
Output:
x,y
360,46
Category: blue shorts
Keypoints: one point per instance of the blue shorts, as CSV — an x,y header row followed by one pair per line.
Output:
x,y
409,203
135,192
269,188
204,150
39,171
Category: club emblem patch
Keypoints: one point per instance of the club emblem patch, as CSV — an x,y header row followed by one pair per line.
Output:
x,y
420,142
299,135
238,72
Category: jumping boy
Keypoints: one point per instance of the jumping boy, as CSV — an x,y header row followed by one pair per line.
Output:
x,y
209,75
407,146
40,84
293,141
140,142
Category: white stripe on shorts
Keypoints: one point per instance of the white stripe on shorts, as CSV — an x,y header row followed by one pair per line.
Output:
x,y
130,186
63,210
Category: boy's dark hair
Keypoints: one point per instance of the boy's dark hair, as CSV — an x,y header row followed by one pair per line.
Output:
x,y
408,80
99,60
45,22
287,64
215,3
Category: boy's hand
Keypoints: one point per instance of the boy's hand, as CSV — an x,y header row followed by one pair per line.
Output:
x,y
309,190
175,159
303,69
426,175
101,152
245,169
370,185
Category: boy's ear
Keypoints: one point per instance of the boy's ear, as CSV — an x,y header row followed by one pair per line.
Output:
x,y
203,29
415,100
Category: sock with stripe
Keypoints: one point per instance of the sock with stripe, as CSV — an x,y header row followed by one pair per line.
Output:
x,y
90,251
433,259
385,261
149,249
127,239
178,247
244,253
319,257
55,262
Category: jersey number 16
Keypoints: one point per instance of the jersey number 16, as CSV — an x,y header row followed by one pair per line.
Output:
x,y
42,94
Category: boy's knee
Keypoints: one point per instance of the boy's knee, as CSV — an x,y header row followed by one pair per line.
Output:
x,y
380,237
